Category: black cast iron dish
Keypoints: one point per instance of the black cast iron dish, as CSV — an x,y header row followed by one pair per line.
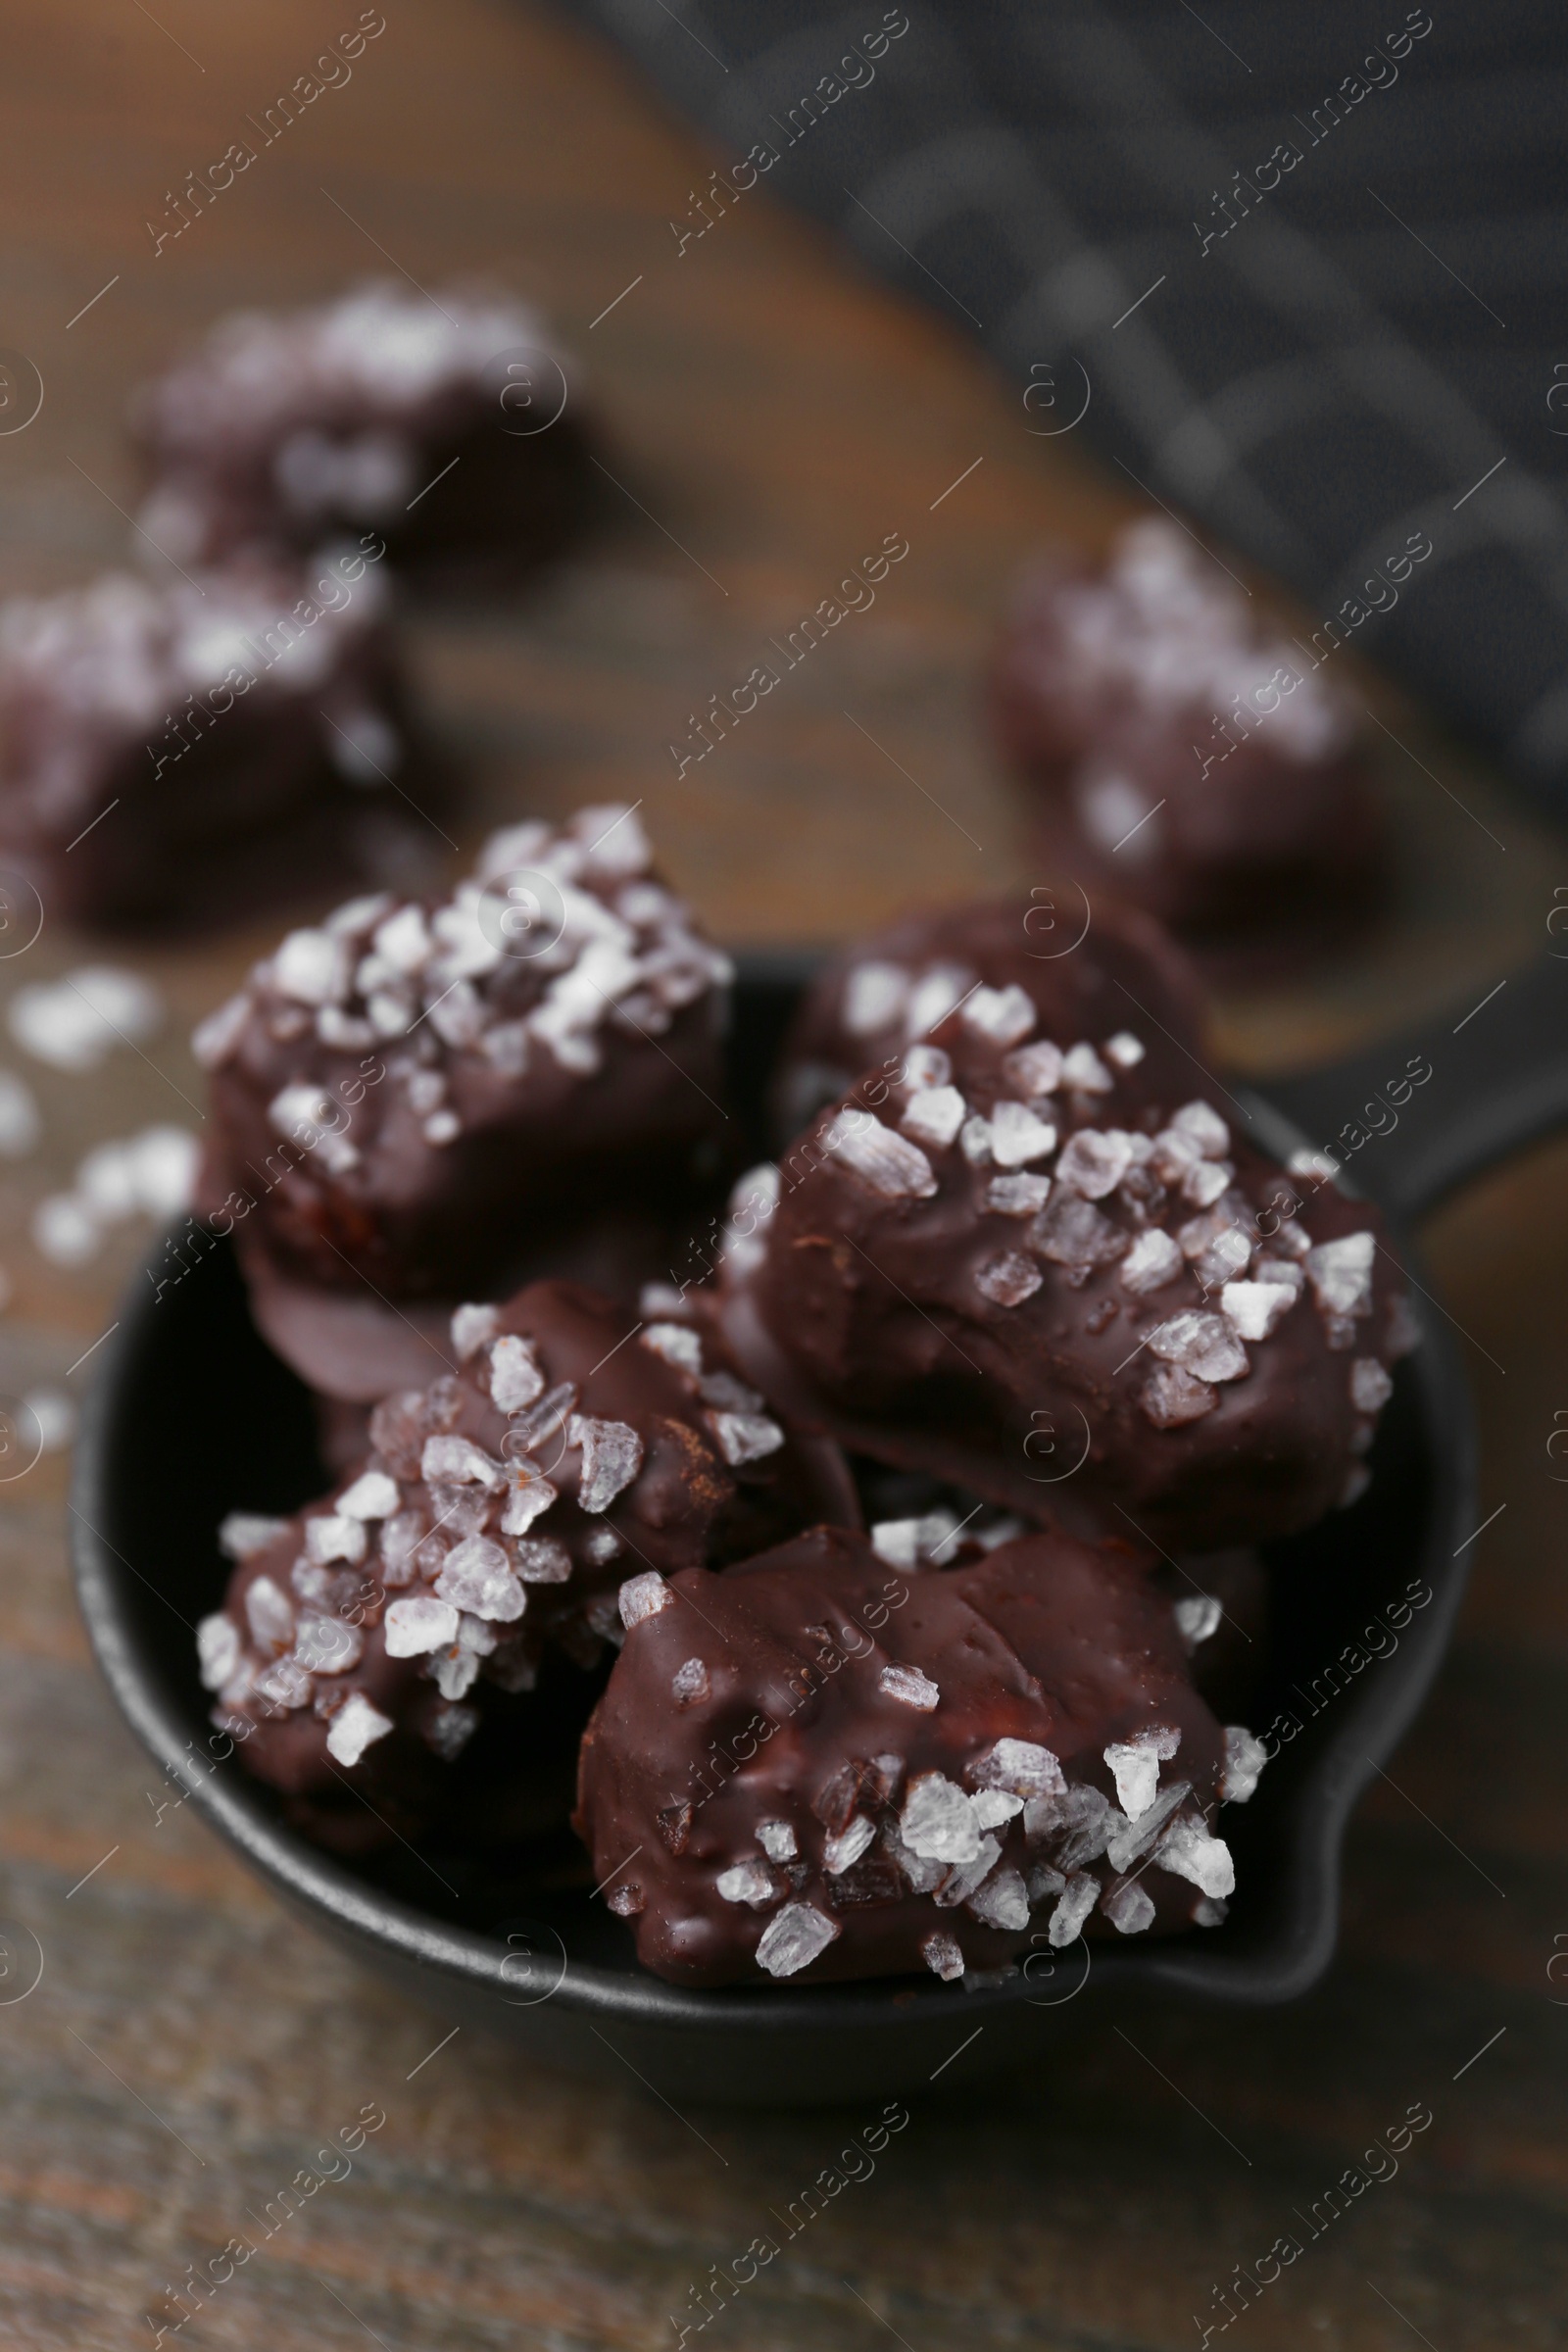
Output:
x,y
191,1417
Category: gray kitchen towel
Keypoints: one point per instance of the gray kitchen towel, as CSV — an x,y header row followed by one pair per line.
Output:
x,y
1304,266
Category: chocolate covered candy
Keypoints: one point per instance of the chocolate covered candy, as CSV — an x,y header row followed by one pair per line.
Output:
x,y
173,751
816,1767
439,420
413,1101
498,1512
1180,749
1013,1270
1053,964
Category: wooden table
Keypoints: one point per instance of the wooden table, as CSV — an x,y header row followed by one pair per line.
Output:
x,y
768,414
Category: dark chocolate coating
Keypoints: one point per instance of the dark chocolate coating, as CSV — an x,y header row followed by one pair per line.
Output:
x,y
758,1698
1091,970
693,1473
382,410
470,1135
174,752
1180,751
1061,1387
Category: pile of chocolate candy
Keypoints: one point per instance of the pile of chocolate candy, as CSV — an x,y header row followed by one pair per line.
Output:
x,y
902,1546
180,742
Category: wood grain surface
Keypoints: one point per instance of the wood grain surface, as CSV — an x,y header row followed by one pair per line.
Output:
x,y
767,415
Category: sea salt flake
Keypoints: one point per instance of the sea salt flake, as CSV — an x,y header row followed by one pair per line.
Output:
x,y
601,1545
372,1495
776,1839
1135,1763
748,1881
1370,1386
1131,1839
353,1728
676,1343
1017,1196
745,1437
450,1729
838,1854
1022,1767
1256,1308
994,1806
458,1461
1153,1260
542,1560
1198,1618
643,1597
1202,1345
1094,1164
1189,1851
472,1327
938,1821
1202,1123
1018,1136
974,1141
963,1877
1009,1280
1041,1879
311,967
935,1115
477,1576
1341,1275
217,1649
926,1065
1204,1181
75,1022
414,1626
1245,1759
1004,1014
1065,1924
908,1543
934,996
334,1536
612,1457
1129,1908
1071,1232
285,1683
1207,1913
328,1646
243,1533
874,996
887,1161
942,1956
909,1685
1035,1069
1125,1050
1083,1070
1172,1397
1003,1902
1076,1825
270,1615
515,1379
794,1937
689,1683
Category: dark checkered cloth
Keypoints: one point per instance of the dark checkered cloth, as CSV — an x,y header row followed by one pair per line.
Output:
x,y
1308,264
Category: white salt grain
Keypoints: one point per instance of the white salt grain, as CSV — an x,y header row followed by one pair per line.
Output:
x,y
372,1495
413,1627
748,1881
938,1821
612,1457
793,1940
935,1115
1153,1260
353,1729
777,1840
1129,1909
888,1162
1370,1386
1245,1759
515,1380
745,1437
689,1683
643,1597
909,1685
839,1852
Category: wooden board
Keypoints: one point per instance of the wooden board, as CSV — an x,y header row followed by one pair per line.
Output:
x,y
768,414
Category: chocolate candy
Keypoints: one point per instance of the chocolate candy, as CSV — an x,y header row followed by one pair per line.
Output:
x,y
438,420
816,1767
1013,1270
498,1512
1052,962
417,1102
173,752
1179,749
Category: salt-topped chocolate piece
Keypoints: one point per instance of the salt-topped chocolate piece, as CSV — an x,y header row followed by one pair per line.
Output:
x,y
174,751
499,1512
881,1773
1051,966
1181,749
441,420
1077,1300
417,1100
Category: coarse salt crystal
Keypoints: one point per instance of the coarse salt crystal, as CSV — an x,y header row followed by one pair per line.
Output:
x,y
1020,1767
612,1457
1340,1274
1067,1919
1129,1908
1189,1851
472,1327
353,1729
477,1576
905,1543
334,1536
962,1881
935,1115
838,1854
72,1023
643,1597
887,1161
542,1560
214,1039
1135,1765
1370,1386
1125,1050
1009,1280
874,996
458,1461
328,1646
270,1615
689,1683
777,1840
1034,1069
242,1533
1204,1344
515,1379
934,996
311,966
1245,1759
994,1806
1018,1136
1003,1902
938,1821
926,1065
1083,1070
19,1123
66,1231
414,1626
745,1437
372,1495
1153,1260
908,1684
794,1937
217,1649
1202,1123
1006,1014
1094,1164
676,1343
1198,1617
942,1956
1017,1196
1256,1308
1172,1396
748,1881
